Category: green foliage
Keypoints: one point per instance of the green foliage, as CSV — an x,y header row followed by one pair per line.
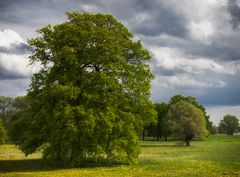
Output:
x,y
194,102
5,103
186,121
5,106
14,111
159,129
214,130
91,97
229,124
20,103
3,133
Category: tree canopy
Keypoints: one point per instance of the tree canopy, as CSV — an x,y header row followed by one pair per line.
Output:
x,y
194,102
159,129
91,97
186,121
229,124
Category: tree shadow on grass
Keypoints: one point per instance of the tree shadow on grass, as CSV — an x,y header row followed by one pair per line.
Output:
x,y
32,165
166,144
24,165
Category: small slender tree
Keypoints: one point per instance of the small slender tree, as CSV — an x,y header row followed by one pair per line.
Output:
x,y
3,133
186,121
5,105
194,102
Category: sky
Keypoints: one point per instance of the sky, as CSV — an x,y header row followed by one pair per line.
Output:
x,y
194,44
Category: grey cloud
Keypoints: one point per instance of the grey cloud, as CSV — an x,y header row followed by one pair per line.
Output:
x,y
166,72
164,19
216,50
16,49
10,75
14,87
234,10
224,48
151,21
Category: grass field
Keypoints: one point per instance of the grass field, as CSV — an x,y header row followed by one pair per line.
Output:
x,y
218,156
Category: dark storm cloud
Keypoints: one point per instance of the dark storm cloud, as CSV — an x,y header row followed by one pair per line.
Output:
x,y
216,50
150,21
228,95
163,19
234,10
222,48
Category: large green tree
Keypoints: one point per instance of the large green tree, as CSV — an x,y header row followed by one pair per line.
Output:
x,y
91,97
193,101
229,124
186,121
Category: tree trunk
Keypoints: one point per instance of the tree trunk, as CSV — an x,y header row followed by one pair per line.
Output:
x,y
143,135
158,133
165,138
187,141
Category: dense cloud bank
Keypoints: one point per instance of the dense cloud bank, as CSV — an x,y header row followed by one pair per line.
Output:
x,y
194,44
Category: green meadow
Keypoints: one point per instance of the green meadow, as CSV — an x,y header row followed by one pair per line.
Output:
x,y
217,156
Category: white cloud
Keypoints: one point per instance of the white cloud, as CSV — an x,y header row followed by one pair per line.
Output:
x,y
15,71
202,31
174,59
89,7
185,82
14,64
8,37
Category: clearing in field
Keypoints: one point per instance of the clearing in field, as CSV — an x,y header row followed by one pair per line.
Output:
x,y
218,156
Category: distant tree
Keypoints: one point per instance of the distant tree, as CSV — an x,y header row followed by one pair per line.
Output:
x,y
13,110
20,103
159,129
5,105
229,124
221,130
91,97
17,112
193,101
186,121
214,130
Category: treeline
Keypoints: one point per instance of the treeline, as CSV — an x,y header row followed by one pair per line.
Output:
x,y
162,128
12,109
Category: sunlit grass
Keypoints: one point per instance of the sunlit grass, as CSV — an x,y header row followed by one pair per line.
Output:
x,y
218,156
